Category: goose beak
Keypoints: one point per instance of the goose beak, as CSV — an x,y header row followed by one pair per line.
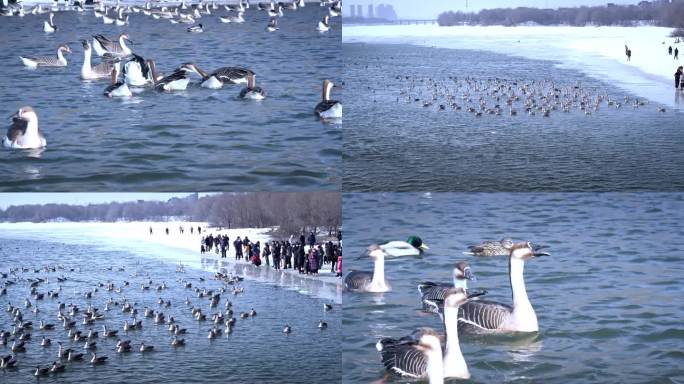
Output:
x,y
475,293
468,274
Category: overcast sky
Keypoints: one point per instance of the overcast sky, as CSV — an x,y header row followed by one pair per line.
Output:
x,y
7,199
429,9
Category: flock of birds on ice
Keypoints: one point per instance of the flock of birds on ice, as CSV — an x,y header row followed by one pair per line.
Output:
x,y
427,354
497,96
127,70
90,331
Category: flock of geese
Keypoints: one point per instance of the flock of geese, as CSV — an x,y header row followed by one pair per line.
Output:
x,y
129,73
90,329
421,354
496,96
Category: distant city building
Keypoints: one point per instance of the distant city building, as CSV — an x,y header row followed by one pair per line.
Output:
x,y
359,11
352,11
370,11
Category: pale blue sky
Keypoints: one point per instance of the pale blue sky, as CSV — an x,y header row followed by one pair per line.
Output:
x,y
7,199
424,9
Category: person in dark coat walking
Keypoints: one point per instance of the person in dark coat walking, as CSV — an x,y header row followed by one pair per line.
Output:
x,y
237,244
288,255
300,257
312,239
678,77
676,55
266,254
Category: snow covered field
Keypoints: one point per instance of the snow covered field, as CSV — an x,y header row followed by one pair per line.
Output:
x,y
596,51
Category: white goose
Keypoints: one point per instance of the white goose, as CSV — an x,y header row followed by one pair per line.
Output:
x,y
252,92
366,281
88,72
324,25
327,108
117,88
137,72
49,25
24,132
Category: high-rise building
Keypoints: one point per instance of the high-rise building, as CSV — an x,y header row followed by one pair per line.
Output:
x,y
352,11
359,11
370,11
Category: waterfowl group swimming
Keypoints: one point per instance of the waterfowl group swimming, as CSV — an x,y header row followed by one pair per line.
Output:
x,y
84,341
505,97
458,308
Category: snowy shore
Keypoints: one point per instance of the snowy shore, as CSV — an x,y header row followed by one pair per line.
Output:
x,y
597,51
177,248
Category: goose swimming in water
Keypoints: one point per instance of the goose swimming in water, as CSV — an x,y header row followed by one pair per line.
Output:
x,y
398,355
433,294
252,92
24,132
272,25
97,359
41,371
46,61
88,72
327,108
146,348
322,324
416,358
324,25
495,248
492,317
49,25
196,28
366,281
287,329
137,72
57,367
103,45
413,246
216,79
177,81
117,88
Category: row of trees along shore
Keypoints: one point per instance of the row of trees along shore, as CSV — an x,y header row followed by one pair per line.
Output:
x,y
291,212
661,13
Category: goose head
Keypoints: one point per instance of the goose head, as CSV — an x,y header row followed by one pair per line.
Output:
x,y
462,271
25,113
524,251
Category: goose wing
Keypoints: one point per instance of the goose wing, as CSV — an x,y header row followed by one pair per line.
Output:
x,y
400,356
17,129
103,68
483,314
230,74
104,42
177,75
325,105
356,280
